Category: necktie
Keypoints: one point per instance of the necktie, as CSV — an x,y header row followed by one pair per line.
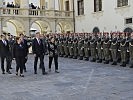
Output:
x,y
4,42
39,41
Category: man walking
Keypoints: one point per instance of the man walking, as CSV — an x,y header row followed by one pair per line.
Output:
x,y
38,51
4,53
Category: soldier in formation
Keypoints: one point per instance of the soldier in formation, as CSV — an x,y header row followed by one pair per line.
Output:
x,y
104,47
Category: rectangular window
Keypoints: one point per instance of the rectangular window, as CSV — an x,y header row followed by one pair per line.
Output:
x,y
67,5
128,20
121,3
97,5
80,7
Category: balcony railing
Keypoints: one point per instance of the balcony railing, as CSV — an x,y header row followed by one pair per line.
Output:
x,y
35,13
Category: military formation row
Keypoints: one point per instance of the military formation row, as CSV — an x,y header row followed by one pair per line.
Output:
x,y
97,48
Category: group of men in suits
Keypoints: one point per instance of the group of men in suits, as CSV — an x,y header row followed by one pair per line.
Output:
x,y
6,51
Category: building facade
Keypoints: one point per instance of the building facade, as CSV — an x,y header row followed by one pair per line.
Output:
x,y
103,15
51,16
61,16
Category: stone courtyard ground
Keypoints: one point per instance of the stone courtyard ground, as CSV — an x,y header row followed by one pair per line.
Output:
x,y
77,80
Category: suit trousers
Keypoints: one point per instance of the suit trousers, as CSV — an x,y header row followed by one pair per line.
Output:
x,y
41,57
7,63
20,64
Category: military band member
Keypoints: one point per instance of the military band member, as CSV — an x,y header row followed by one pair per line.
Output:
x,y
99,49
70,47
114,48
61,49
86,49
131,50
106,48
123,50
80,48
93,49
65,43
75,48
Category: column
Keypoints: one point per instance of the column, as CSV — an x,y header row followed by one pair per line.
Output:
x,y
17,2
61,5
42,4
1,3
53,25
52,4
0,26
24,4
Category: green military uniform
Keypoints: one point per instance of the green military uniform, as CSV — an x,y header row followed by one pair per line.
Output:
x,y
65,44
99,50
114,50
131,52
61,48
86,49
80,49
123,51
106,50
57,43
93,50
70,47
75,48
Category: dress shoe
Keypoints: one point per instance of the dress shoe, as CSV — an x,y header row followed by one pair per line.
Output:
x,y
3,72
99,61
56,71
9,72
114,63
21,75
93,60
106,62
80,58
74,57
44,73
16,73
123,64
131,66
35,72
10,68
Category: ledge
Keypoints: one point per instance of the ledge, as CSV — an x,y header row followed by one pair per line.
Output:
x,y
122,7
98,12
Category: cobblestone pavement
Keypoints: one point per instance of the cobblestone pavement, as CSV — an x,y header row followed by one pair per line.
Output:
x,y
77,80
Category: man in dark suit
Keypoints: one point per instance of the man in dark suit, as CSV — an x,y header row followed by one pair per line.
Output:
x,y
4,53
11,42
25,46
38,51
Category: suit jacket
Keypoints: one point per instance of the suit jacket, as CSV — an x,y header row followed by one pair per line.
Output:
x,y
26,48
37,48
18,50
4,49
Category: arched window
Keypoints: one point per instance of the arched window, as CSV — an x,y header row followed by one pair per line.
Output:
x,y
96,30
129,30
121,3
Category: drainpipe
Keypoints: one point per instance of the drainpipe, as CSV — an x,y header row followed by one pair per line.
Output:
x,y
73,16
